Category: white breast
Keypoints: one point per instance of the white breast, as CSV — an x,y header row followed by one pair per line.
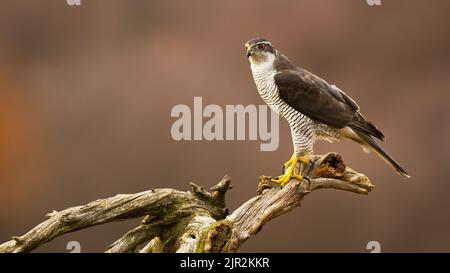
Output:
x,y
263,74
303,129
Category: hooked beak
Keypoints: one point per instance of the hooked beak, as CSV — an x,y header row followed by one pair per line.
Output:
x,y
249,51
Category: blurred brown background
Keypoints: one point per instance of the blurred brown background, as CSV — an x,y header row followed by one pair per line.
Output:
x,y
86,94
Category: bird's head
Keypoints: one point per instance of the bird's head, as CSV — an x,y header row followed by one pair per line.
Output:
x,y
259,51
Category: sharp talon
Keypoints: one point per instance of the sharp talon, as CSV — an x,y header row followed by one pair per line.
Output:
x,y
309,182
288,170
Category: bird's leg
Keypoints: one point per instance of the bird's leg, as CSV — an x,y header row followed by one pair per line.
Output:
x,y
289,167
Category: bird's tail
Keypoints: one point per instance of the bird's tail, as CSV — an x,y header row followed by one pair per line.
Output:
x,y
369,143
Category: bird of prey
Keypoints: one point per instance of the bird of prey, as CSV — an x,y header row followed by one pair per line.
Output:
x,y
313,108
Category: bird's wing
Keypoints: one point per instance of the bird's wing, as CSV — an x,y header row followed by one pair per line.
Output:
x,y
315,98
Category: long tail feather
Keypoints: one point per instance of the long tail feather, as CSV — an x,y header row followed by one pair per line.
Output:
x,y
371,144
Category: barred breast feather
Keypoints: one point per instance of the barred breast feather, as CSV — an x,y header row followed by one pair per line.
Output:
x,y
303,129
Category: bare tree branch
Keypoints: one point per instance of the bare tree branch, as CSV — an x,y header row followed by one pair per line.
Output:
x,y
196,221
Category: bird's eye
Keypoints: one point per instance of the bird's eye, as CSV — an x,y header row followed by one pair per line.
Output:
x,y
261,46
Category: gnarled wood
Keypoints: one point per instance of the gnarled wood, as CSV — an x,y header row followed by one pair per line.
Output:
x,y
196,221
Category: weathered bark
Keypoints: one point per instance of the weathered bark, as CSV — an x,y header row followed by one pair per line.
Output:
x,y
196,221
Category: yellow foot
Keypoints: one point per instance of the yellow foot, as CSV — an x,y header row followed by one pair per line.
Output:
x,y
289,170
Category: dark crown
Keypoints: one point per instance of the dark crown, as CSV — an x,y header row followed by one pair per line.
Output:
x,y
256,41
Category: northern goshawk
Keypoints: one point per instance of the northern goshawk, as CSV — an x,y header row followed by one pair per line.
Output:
x,y
313,108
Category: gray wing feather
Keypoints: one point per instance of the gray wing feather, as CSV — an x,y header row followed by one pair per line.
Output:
x,y
320,101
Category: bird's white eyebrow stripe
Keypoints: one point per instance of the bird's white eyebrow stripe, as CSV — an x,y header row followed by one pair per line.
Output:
x,y
264,42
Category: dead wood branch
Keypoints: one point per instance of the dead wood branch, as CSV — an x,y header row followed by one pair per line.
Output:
x,y
195,221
